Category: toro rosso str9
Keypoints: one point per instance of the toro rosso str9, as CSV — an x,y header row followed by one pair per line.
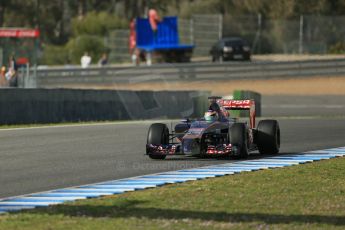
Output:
x,y
216,134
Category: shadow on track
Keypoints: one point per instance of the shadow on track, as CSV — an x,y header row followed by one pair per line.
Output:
x,y
253,156
130,209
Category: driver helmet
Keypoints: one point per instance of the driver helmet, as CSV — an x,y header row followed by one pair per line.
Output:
x,y
211,116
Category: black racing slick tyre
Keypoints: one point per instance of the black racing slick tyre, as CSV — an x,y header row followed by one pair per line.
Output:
x,y
239,139
268,137
158,135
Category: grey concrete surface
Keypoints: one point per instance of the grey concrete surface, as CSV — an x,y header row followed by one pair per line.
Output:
x,y
40,159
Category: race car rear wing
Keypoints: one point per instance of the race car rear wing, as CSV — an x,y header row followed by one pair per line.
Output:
x,y
240,105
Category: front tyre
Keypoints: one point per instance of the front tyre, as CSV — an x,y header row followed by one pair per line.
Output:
x,y
158,135
239,138
268,137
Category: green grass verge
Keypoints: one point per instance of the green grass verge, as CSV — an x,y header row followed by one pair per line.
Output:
x,y
310,196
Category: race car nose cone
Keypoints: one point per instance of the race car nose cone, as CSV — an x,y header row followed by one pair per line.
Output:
x,y
190,146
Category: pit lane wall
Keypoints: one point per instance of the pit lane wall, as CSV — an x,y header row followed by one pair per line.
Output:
x,y
28,106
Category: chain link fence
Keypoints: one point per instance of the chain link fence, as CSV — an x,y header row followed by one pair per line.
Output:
x,y
306,34
19,47
207,29
202,31
186,31
24,51
117,43
1,55
323,34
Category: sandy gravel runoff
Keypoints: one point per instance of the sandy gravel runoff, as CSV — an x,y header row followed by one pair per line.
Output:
x,y
296,57
302,86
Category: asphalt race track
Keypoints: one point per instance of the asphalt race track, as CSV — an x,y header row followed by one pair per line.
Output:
x,y
40,159
287,105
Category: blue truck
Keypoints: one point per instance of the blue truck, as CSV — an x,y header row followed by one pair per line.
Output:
x,y
162,45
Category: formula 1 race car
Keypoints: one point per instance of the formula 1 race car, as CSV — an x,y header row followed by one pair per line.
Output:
x,y
216,134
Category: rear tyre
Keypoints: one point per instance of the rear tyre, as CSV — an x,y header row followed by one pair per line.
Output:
x,y
239,138
158,135
268,137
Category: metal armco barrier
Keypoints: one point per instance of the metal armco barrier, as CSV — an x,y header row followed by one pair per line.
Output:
x,y
66,77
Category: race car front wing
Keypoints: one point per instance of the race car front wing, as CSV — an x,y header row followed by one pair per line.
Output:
x,y
175,149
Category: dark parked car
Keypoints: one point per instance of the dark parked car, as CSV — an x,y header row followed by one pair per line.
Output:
x,y
232,48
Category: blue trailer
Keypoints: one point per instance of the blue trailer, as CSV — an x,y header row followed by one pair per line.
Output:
x,y
162,45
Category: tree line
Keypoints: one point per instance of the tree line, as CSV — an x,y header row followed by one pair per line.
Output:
x,y
55,18
70,27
